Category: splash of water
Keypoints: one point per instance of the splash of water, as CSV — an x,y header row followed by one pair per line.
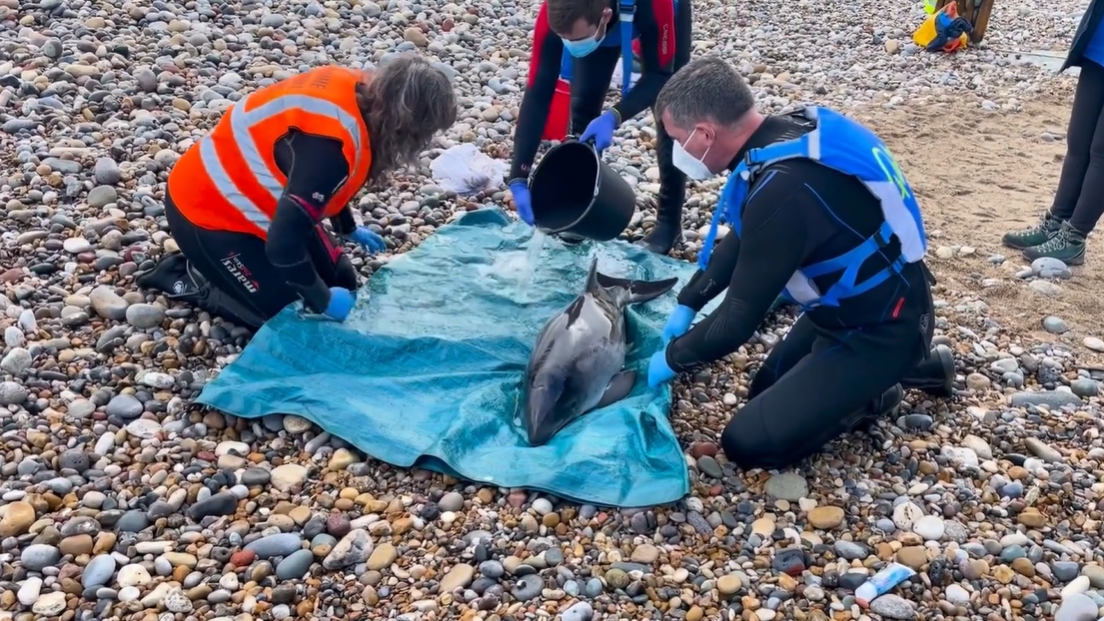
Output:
x,y
532,259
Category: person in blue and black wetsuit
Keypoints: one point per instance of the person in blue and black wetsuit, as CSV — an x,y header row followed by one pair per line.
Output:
x,y
818,210
591,33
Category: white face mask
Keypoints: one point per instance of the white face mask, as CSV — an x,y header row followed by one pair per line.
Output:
x,y
692,166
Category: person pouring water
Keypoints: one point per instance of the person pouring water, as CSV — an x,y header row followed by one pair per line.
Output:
x,y
818,209
588,37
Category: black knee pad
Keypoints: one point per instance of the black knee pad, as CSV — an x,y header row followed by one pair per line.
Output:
x,y
345,275
746,443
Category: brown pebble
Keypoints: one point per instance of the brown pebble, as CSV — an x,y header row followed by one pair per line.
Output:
x,y
703,449
76,545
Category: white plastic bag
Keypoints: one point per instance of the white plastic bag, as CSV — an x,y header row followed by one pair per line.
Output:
x,y
465,170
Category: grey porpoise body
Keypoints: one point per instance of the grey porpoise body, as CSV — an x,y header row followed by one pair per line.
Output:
x,y
577,363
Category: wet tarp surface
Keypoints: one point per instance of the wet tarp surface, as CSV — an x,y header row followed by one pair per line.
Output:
x,y
428,369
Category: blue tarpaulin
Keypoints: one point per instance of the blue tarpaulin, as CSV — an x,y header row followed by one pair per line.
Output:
x,y
428,369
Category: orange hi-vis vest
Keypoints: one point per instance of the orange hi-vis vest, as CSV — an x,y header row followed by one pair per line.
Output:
x,y
229,180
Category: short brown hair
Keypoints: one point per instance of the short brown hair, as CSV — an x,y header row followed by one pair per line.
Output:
x,y
706,89
405,103
563,14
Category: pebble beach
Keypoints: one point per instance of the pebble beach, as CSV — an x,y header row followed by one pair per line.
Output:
x,y
119,501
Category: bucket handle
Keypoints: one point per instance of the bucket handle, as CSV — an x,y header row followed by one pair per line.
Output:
x,y
589,141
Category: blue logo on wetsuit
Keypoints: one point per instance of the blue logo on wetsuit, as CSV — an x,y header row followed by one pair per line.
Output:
x,y
848,147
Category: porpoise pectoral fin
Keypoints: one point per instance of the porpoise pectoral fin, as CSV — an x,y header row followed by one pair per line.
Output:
x,y
619,388
639,290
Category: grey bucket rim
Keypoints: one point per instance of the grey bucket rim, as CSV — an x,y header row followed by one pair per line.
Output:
x,y
593,193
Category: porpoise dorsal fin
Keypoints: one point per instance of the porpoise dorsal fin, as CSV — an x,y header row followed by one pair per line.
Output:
x,y
594,284
635,291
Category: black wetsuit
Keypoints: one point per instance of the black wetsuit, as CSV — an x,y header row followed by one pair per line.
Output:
x,y
836,361
300,259
654,21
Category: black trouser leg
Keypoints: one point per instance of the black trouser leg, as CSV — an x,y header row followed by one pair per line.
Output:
x,y
1090,199
816,385
672,181
1081,139
590,81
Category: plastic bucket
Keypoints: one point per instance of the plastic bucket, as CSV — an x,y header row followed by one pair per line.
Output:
x,y
559,113
574,191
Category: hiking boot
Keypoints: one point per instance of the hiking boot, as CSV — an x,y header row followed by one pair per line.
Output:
x,y
1034,236
1067,245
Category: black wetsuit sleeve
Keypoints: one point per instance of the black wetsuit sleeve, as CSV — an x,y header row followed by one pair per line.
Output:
x,y
657,56
316,172
537,101
709,283
774,244
343,223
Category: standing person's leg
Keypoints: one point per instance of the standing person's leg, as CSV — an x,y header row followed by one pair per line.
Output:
x,y
590,81
1068,245
241,284
672,181
847,379
333,265
1080,138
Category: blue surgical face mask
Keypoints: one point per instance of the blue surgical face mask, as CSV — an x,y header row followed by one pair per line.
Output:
x,y
582,47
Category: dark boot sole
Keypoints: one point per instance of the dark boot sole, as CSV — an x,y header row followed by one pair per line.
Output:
x,y
1073,261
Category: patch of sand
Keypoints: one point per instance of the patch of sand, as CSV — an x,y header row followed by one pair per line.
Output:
x,y
979,174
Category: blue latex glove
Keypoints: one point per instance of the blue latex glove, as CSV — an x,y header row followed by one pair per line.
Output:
x,y
372,242
601,130
678,323
520,189
341,303
659,371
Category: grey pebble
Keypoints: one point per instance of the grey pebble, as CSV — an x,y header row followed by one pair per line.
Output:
x,y
281,544
98,571
39,556
295,566
527,588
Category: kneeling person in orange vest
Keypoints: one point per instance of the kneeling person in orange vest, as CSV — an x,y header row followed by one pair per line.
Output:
x,y
246,203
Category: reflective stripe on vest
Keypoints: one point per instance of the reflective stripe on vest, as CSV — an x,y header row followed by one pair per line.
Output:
x,y
241,122
850,148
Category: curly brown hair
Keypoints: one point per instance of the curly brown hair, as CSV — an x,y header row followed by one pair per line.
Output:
x,y
405,102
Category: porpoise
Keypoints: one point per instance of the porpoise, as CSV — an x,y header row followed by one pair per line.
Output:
x,y
577,364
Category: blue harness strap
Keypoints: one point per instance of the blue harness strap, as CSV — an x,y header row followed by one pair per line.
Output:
x,y
730,209
627,9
